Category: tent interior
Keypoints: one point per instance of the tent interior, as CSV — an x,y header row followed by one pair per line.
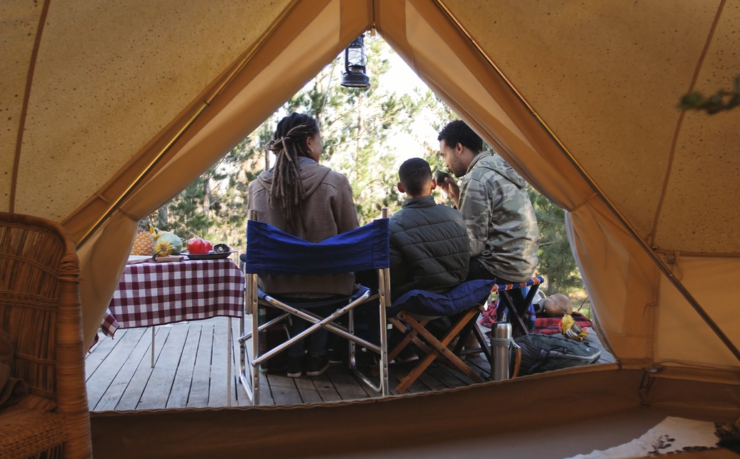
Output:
x,y
120,106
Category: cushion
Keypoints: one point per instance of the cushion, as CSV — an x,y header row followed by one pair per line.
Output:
x,y
459,299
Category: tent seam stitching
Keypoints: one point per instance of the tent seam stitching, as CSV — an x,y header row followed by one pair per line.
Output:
x,y
24,109
679,123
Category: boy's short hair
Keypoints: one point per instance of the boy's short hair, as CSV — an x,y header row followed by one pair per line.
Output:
x,y
414,174
458,132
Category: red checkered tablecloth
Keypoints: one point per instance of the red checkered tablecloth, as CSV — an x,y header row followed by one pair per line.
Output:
x,y
161,293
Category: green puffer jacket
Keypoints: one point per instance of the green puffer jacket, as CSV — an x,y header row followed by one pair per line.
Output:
x,y
429,247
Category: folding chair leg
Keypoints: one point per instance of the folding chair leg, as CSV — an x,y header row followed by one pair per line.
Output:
x,y
482,347
441,347
409,336
482,341
421,345
463,336
437,349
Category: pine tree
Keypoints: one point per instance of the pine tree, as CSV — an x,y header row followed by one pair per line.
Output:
x,y
359,131
556,258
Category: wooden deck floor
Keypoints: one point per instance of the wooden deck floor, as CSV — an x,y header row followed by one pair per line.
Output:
x,y
191,371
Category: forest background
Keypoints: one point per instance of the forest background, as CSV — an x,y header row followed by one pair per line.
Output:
x,y
367,134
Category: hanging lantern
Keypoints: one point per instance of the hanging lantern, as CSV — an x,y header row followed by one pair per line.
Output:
x,y
354,65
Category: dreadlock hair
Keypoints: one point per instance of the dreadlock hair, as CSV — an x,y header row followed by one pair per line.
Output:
x,y
289,143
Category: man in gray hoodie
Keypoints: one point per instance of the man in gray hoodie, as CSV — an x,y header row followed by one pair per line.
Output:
x,y
496,207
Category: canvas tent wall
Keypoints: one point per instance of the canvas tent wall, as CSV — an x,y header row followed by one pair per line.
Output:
x,y
92,93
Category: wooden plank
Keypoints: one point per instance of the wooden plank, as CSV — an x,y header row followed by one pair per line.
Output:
x,y
345,383
131,396
201,382
393,383
431,382
480,365
91,349
266,398
184,374
465,379
238,393
401,371
284,390
236,389
159,386
110,399
265,394
325,388
106,372
307,390
217,396
93,361
443,376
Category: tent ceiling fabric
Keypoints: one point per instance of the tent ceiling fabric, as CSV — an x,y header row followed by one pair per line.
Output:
x,y
112,84
314,28
101,93
705,177
607,79
18,23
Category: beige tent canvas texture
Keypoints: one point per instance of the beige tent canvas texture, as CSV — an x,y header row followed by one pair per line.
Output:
x,y
121,104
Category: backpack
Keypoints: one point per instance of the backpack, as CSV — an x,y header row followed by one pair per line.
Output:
x,y
540,353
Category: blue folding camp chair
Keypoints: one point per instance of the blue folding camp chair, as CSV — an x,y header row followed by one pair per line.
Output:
x,y
274,252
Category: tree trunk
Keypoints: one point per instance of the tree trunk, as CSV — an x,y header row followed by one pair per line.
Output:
x,y
207,198
162,217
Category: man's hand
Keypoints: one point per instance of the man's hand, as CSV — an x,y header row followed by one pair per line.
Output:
x,y
449,186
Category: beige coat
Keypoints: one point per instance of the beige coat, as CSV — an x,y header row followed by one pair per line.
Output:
x,y
328,210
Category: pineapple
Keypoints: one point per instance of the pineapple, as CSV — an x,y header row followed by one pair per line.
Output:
x,y
144,241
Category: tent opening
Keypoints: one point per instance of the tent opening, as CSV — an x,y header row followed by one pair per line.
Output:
x,y
366,134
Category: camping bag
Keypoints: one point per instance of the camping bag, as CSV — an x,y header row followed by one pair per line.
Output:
x,y
542,353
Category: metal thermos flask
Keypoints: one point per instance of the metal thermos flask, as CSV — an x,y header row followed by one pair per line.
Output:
x,y
500,343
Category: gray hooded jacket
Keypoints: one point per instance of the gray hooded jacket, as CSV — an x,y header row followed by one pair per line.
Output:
x,y
328,210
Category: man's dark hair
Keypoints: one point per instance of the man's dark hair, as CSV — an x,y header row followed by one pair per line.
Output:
x,y
458,132
414,173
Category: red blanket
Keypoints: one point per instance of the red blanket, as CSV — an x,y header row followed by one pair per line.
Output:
x,y
544,325
551,325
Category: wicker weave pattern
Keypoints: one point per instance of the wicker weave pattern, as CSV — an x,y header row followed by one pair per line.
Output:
x,y
29,432
40,310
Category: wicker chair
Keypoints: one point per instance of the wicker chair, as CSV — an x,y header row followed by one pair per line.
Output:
x,y
40,311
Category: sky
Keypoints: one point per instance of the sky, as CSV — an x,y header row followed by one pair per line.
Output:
x,y
401,78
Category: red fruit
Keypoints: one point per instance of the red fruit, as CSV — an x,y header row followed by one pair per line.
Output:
x,y
199,246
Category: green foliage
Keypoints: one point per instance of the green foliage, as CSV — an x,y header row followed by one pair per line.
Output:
x,y
721,100
556,259
358,127
360,132
214,205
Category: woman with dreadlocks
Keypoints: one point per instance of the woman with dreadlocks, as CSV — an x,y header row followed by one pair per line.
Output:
x,y
312,202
